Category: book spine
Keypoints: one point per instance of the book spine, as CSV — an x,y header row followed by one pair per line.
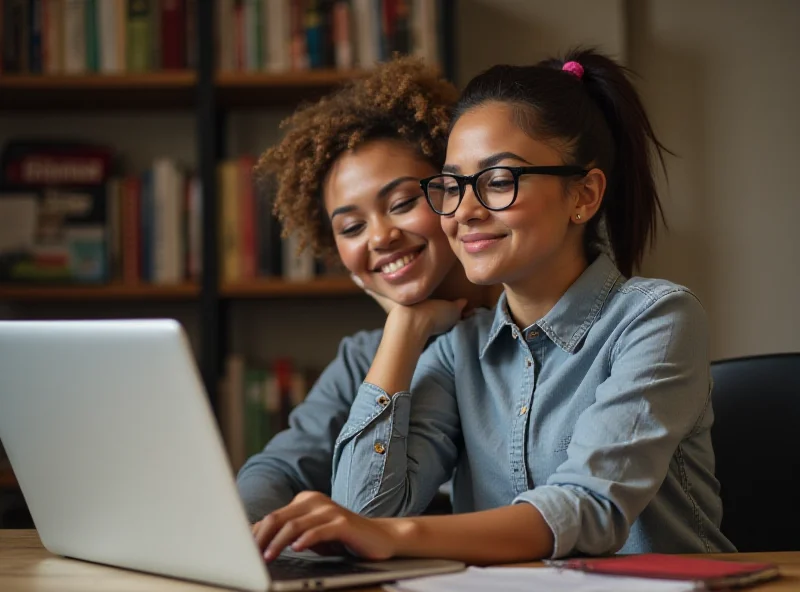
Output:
x,y
74,36
247,218
54,38
146,221
138,35
92,36
131,231
341,32
173,34
35,61
108,47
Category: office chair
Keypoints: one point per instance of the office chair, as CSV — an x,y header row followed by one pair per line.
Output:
x,y
756,437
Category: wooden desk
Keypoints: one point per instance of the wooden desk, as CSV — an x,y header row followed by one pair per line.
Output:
x,y
26,566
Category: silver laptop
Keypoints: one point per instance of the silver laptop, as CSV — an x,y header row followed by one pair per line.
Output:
x,y
116,450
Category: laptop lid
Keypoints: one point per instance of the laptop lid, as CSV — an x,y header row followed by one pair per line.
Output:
x,y
117,452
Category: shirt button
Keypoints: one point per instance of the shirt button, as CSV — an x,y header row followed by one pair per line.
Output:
x,y
524,410
528,363
533,334
383,400
379,447
514,333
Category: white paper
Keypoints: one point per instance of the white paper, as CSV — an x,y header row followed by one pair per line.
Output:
x,y
529,579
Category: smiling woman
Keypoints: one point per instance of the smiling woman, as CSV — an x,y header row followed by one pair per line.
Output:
x,y
539,159
385,234
348,172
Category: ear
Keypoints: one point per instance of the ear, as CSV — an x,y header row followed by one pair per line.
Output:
x,y
587,195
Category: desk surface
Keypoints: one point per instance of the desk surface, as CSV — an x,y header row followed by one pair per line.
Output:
x,y
26,566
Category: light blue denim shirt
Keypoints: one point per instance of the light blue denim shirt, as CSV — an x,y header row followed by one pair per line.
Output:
x,y
598,415
299,458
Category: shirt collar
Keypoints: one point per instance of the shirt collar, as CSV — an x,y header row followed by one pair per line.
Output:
x,y
575,312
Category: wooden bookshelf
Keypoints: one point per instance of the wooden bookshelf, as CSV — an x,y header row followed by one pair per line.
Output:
x,y
100,292
258,288
90,92
163,90
260,89
277,288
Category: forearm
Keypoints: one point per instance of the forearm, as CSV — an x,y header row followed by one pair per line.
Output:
x,y
403,340
397,448
510,534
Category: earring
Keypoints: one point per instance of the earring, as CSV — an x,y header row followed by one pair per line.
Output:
x,y
577,216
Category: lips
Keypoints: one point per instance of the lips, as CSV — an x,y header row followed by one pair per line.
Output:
x,y
480,241
398,263
392,263
480,236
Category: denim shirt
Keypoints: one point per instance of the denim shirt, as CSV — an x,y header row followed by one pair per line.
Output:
x,y
598,415
299,458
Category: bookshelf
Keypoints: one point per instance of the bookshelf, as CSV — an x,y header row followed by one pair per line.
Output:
x,y
208,94
88,92
257,288
273,288
164,90
237,90
100,292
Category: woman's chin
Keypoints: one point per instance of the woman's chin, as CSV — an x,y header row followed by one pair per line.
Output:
x,y
407,295
481,277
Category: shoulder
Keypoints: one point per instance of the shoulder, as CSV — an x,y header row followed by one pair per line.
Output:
x,y
656,311
638,296
653,289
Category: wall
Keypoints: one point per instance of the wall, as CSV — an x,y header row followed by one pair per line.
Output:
x,y
491,32
718,79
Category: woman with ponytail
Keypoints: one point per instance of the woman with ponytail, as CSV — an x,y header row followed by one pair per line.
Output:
x,y
577,414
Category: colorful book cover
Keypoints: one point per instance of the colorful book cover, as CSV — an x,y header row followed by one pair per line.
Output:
x,y
53,207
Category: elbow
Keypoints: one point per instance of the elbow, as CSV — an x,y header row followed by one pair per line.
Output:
x,y
604,532
396,502
582,522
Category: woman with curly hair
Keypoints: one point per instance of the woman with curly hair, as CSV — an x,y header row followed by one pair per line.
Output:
x,y
348,170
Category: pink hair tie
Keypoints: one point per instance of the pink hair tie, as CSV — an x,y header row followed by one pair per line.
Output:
x,y
573,68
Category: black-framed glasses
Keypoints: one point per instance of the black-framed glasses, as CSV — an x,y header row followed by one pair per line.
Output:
x,y
496,187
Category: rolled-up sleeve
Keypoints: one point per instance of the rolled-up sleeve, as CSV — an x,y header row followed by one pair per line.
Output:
x,y
396,449
656,394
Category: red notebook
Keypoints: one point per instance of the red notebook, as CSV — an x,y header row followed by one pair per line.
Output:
x,y
712,573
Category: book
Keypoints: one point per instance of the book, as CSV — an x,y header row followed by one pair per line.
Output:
x,y
53,212
713,574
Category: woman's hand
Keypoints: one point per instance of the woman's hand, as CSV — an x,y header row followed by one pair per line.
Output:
x,y
439,315
429,317
385,303
313,521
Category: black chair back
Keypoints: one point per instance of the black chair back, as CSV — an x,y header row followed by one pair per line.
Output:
x,y
756,436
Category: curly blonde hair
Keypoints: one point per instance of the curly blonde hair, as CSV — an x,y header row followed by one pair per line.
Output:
x,y
401,99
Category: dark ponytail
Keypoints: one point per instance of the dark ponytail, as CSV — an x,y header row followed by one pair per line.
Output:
x,y
601,120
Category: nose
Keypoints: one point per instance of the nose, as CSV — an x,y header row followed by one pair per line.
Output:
x,y
470,208
383,235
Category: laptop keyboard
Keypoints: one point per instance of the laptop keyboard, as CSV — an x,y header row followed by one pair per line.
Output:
x,y
290,568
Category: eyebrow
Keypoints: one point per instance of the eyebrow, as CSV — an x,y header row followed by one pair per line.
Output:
x,y
487,162
382,193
